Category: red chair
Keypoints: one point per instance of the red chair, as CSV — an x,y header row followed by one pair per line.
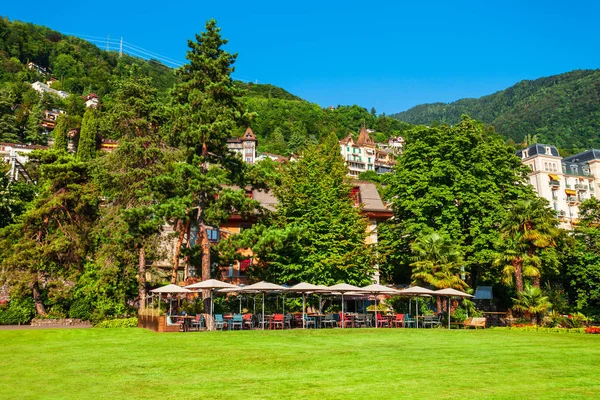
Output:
x,y
346,320
277,320
399,320
247,318
381,322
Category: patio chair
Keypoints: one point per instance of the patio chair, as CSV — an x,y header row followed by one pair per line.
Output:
x,y
431,321
409,320
278,320
220,323
328,320
308,321
287,321
237,320
198,323
381,322
360,320
399,320
346,320
248,321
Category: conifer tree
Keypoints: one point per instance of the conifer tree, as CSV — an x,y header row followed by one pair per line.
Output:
x,y
86,149
61,133
8,128
207,111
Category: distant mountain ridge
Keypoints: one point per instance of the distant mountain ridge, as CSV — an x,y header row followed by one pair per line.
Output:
x,y
563,110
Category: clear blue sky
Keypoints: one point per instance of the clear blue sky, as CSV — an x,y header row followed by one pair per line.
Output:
x,y
388,55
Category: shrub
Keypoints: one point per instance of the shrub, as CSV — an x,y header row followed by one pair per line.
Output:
x,y
459,315
17,311
535,328
81,309
594,330
118,323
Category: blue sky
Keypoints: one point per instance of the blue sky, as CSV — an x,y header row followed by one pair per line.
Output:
x,y
388,55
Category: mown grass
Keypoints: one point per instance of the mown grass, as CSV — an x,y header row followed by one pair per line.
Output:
x,y
325,364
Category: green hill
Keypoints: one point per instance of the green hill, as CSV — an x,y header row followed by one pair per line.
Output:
x,y
562,109
282,121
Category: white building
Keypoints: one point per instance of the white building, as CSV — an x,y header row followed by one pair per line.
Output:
x,y
363,155
564,182
42,88
245,146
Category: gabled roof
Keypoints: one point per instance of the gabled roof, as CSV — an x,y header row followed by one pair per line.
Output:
x,y
347,140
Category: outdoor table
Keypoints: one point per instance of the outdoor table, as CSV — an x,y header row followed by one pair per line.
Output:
x,y
318,318
187,321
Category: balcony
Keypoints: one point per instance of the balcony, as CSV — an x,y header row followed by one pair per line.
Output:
x,y
572,200
561,214
554,183
581,187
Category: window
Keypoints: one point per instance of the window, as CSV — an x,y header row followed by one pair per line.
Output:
x,y
212,235
548,151
545,166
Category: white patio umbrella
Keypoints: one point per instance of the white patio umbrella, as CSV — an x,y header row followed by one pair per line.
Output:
x,y
262,287
170,289
343,288
417,291
449,292
376,289
210,284
304,288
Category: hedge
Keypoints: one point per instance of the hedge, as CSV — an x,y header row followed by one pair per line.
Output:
x,y
118,323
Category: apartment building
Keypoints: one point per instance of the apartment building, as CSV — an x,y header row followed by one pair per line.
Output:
x,y
564,182
363,155
245,146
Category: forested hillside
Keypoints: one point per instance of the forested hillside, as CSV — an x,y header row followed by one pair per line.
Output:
x,y
282,121
562,109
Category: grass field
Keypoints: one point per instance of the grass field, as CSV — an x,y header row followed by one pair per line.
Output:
x,y
325,364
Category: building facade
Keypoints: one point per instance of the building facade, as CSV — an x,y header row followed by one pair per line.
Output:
x,y
245,146
363,155
564,182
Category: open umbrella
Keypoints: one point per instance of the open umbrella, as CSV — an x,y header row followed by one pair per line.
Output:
x,y
210,284
417,291
170,289
376,289
262,287
343,288
304,288
449,292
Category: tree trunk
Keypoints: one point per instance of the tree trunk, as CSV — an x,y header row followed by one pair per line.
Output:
x,y
205,264
518,265
186,260
536,281
37,298
142,277
438,302
177,252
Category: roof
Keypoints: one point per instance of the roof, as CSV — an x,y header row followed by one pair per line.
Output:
x,y
539,149
364,138
346,140
585,156
369,196
249,135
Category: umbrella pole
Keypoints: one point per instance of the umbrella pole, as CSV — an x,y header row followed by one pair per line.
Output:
x,y
343,314
263,312
448,312
417,307
376,322
320,304
303,310
212,319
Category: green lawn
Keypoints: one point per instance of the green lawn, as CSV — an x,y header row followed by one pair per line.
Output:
x,y
325,364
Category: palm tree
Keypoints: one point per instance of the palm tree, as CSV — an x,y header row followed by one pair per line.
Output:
x,y
531,302
436,262
530,227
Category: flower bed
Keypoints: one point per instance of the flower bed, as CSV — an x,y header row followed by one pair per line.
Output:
x,y
535,328
594,330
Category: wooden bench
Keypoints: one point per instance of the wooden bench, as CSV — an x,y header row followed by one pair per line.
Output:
x,y
475,323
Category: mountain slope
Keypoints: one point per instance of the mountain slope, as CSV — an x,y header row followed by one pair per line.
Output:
x,y
562,109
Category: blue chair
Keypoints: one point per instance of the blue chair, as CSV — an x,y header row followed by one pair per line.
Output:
x,y
238,320
308,321
219,321
409,320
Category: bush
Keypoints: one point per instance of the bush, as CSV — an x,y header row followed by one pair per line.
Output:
x,y
17,312
118,323
81,309
535,328
459,315
594,330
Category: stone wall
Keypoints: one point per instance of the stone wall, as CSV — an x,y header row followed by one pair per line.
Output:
x,y
59,322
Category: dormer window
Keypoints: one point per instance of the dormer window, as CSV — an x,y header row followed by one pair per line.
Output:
x,y
548,151
525,154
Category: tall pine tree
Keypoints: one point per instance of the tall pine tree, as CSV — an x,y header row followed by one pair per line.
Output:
x,y
86,149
